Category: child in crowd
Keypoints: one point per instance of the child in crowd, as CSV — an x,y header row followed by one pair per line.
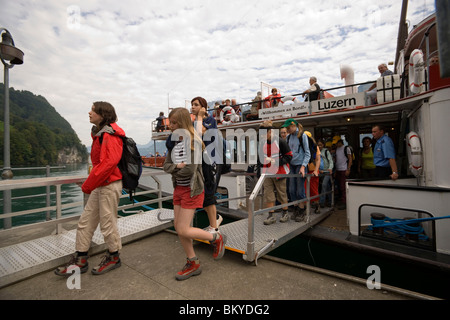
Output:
x,y
184,163
277,156
298,165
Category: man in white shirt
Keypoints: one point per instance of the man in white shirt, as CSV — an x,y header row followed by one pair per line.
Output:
x,y
313,91
343,165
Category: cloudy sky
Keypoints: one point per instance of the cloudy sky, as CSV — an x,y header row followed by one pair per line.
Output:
x,y
143,56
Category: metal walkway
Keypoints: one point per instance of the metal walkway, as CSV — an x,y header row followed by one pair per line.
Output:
x,y
25,259
267,237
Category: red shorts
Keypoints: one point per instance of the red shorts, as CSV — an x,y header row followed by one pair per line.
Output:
x,y
182,197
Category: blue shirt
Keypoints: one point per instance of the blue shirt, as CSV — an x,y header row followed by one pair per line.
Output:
x,y
383,151
301,155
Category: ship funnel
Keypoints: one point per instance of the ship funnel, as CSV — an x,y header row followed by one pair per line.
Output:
x,y
348,74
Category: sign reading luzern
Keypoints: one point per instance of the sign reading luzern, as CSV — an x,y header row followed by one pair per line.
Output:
x,y
349,101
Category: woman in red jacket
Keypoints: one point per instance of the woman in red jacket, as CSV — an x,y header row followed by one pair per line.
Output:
x,y
104,187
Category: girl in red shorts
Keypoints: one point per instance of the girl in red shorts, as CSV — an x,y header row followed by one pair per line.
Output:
x,y
184,163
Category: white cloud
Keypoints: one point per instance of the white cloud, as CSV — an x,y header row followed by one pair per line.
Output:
x,y
137,54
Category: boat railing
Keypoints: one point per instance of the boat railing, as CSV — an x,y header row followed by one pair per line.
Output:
x,y
307,110
59,206
258,189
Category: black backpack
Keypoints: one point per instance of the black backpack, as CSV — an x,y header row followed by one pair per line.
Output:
x,y
130,165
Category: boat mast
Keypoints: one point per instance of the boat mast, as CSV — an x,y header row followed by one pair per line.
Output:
x,y
402,31
442,11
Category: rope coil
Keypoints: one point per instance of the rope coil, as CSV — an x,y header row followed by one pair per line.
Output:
x,y
402,227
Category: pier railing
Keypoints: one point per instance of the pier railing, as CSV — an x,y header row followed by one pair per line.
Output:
x,y
258,189
58,207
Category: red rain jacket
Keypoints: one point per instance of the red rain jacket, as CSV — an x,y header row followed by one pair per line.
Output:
x,y
105,156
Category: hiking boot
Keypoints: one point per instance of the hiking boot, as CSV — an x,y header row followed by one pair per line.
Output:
x,y
300,215
191,268
317,208
270,219
294,213
219,246
108,263
285,216
75,262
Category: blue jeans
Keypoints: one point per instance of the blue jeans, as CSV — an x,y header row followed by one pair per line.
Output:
x,y
296,184
326,186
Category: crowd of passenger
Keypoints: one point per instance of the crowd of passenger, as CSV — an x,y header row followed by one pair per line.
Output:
x,y
234,112
328,162
290,149
228,110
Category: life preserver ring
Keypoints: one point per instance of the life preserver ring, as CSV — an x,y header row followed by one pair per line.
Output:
x,y
415,154
288,98
416,72
233,117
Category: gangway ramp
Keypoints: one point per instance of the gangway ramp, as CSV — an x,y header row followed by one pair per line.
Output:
x,y
254,239
266,237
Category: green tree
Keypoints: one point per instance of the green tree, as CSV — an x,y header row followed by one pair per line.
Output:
x,y
38,133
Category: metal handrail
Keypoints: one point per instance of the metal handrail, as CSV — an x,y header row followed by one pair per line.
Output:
x,y
256,191
58,207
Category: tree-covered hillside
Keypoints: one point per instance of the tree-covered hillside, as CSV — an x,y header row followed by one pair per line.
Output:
x,y
39,135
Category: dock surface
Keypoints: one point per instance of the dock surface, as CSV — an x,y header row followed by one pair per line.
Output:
x,y
148,273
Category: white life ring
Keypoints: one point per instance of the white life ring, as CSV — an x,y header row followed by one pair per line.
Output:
x,y
415,154
288,98
233,117
416,72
